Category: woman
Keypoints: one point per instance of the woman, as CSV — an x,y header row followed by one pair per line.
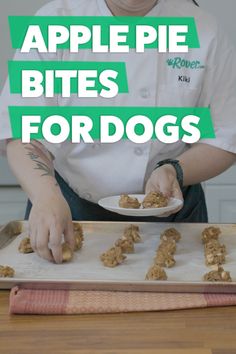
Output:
x,y
86,173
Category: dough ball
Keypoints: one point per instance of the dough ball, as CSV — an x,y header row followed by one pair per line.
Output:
x,y
210,233
132,232
78,230
168,246
214,246
218,275
113,257
67,253
156,273
134,228
128,202
164,259
126,245
78,235
214,252
215,258
171,233
25,246
155,200
78,242
6,272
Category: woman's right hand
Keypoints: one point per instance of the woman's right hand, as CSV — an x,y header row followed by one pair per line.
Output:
x,y
49,219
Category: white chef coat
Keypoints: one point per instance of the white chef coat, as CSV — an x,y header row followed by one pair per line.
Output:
x,y
98,170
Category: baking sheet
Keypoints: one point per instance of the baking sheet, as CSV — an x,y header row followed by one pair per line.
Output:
x,y
87,272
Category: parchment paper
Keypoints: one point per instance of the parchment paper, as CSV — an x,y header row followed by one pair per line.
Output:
x,y
86,265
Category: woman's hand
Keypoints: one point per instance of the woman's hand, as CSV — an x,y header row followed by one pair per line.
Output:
x,y
50,215
164,180
49,219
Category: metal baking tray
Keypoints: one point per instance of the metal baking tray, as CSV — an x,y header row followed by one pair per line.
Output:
x,y
86,272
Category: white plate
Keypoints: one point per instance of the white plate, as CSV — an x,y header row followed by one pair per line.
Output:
x,y
112,204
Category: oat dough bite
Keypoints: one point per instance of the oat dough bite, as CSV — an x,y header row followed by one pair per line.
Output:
x,y
171,234
78,242
134,228
132,232
214,253
155,200
78,235
164,259
217,275
128,202
215,259
67,253
113,257
78,230
214,246
156,273
126,245
6,272
167,246
210,233
25,246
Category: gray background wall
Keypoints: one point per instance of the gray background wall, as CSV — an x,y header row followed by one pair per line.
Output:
x,y
13,8
225,11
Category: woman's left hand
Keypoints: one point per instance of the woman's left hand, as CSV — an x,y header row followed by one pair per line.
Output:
x,y
164,180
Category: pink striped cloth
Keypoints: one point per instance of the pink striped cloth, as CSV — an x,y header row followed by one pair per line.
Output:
x,y
48,302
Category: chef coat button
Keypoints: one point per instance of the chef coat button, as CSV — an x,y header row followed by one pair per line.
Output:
x,y
138,151
145,93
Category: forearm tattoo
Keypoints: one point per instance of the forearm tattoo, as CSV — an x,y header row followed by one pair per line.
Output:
x,y
42,162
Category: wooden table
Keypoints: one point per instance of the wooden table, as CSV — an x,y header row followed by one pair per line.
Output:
x,y
200,331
